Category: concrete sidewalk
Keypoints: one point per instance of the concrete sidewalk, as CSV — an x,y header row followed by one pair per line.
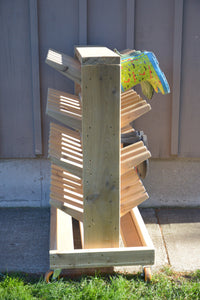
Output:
x,y
24,238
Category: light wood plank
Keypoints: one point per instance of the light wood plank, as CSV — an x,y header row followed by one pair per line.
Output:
x,y
65,108
89,258
62,174
97,55
133,230
133,106
76,213
129,179
131,190
132,147
141,228
129,232
61,234
133,201
134,114
127,165
101,144
65,64
65,149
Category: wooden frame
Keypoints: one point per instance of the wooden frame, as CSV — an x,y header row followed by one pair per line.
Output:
x,y
92,177
139,252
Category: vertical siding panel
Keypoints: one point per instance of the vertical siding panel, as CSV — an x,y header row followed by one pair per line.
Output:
x,y
35,77
154,32
107,23
177,56
16,119
58,23
189,143
130,23
82,22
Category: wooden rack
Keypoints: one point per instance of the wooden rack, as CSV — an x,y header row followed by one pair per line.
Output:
x,y
93,179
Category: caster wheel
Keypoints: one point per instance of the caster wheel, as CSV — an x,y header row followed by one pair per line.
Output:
x,y
48,276
147,274
52,275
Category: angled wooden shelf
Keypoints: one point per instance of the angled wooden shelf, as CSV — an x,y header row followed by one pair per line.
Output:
x,y
65,149
65,108
132,107
67,192
133,155
64,64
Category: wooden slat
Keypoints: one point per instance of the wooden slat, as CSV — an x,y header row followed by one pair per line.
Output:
x,y
61,234
132,190
129,232
89,258
128,164
62,174
133,152
133,201
132,115
68,196
127,93
130,148
65,149
129,179
132,107
73,211
65,108
101,145
65,64
133,230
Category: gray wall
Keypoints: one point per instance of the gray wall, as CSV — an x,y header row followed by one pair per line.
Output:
x,y
29,28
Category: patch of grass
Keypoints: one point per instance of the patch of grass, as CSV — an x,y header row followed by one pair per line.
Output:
x,y
165,285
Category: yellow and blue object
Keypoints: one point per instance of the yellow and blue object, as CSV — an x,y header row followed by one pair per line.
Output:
x,y
138,67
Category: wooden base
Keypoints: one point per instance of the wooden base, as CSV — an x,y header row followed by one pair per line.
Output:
x,y
139,249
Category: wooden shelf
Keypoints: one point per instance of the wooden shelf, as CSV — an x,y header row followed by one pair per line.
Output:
x,y
67,192
133,155
65,149
65,64
132,107
65,108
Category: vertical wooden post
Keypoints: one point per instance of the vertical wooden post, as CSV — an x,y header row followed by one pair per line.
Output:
x,y
100,85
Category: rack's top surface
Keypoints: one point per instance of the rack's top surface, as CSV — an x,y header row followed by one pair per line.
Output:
x,y
97,55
